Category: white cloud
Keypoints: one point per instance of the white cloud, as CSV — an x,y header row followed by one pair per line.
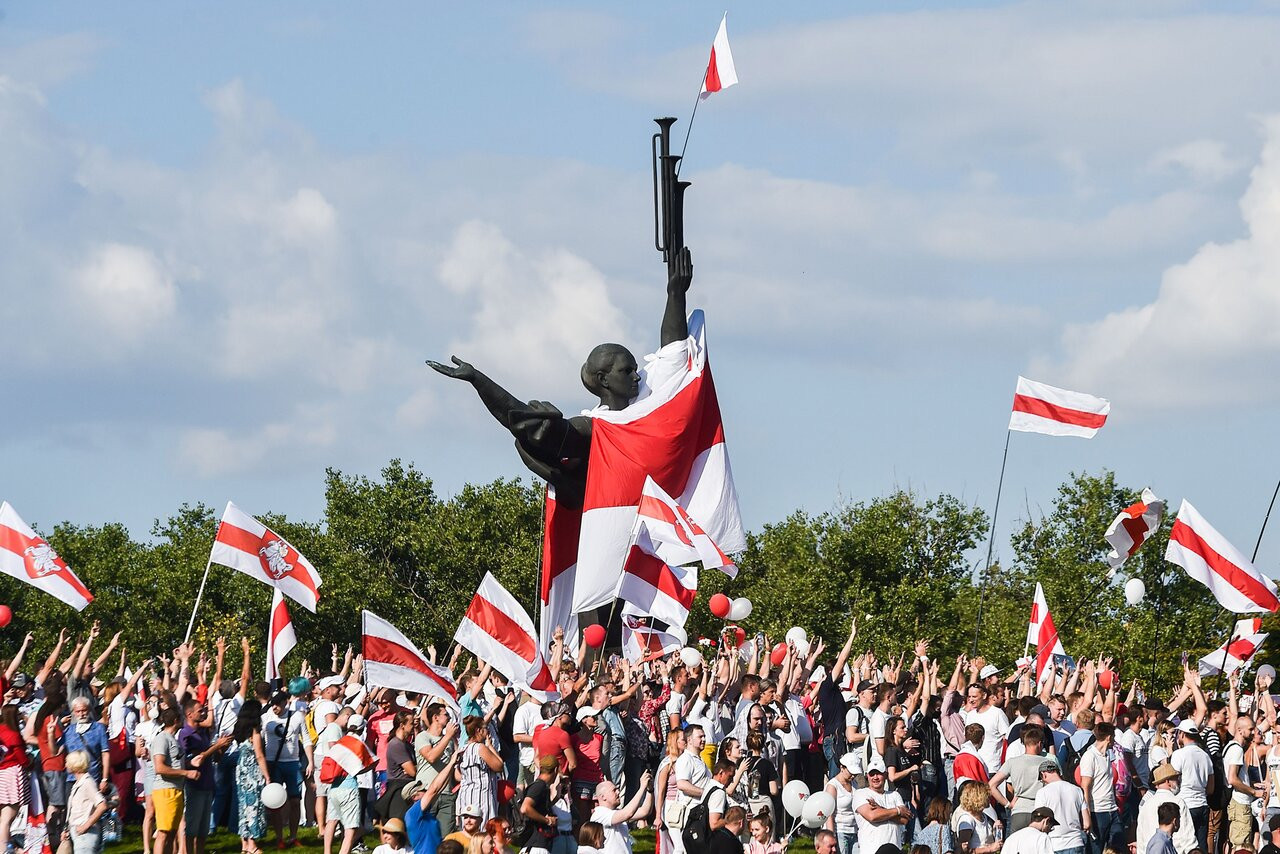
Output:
x,y
123,291
214,452
1212,334
1204,160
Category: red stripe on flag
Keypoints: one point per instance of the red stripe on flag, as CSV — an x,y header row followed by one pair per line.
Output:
x,y
279,619
382,651
655,572
244,541
1061,414
1242,648
14,541
713,74
506,631
561,528
1136,528
1248,586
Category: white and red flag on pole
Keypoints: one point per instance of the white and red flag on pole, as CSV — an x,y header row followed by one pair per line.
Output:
x,y
347,757
30,559
1043,634
652,586
674,537
642,641
671,432
391,660
720,71
1207,557
1133,526
1245,640
500,633
1040,408
245,544
280,635
561,527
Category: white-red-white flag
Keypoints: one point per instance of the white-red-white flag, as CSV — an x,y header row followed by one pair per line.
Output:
x,y
641,641
1207,557
33,561
347,757
1245,641
561,527
1133,526
675,537
36,838
245,544
1043,634
391,660
721,73
499,631
671,432
1040,408
652,586
281,638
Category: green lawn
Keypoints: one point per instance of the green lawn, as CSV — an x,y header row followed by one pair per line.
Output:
x,y
225,843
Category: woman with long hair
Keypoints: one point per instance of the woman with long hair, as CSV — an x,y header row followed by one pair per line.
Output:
x,y
45,727
975,832
664,788
15,788
760,779
936,835
251,775
478,768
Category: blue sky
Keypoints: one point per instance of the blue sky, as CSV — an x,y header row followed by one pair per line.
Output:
x,y
234,233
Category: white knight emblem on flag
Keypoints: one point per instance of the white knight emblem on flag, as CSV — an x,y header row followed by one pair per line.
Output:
x,y
275,559
41,560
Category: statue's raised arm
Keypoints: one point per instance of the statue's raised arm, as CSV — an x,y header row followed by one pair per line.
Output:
x,y
675,320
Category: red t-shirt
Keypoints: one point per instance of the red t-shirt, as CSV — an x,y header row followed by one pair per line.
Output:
x,y
15,750
50,761
551,741
587,750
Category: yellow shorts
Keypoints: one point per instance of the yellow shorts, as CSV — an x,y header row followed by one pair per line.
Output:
x,y
709,754
168,807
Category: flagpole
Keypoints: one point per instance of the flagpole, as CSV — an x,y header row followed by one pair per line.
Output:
x,y
199,594
1256,546
689,127
991,542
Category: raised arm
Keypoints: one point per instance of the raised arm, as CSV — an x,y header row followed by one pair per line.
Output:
x,y
843,658
106,653
49,663
16,664
675,320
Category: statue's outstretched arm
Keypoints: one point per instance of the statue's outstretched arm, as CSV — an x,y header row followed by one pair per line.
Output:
x,y
496,399
675,320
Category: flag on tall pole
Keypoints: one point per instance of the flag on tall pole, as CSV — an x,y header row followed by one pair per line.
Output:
x,y
1043,634
391,660
1135,524
499,631
721,73
561,527
245,544
641,640
280,635
28,558
1041,408
1209,558
1239,649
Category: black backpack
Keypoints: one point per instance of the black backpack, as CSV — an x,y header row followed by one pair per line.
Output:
x,y
697,824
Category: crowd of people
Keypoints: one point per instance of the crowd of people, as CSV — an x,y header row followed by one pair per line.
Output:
x,y
715,751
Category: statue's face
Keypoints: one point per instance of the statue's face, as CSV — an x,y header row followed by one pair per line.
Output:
x,y
622,378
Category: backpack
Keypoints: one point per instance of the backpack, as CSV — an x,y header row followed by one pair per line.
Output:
x,y
521,828
1069,760
309,720
697,824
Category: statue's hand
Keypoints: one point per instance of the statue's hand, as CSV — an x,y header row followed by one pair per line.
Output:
x,y
460,370
680,272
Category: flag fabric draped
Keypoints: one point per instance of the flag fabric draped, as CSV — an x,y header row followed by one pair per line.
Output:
x,y
651,586
673,433
1245,641
391,660
721,73
1209,558
1040,408
675,537
1133,526
281,638
245,544
28,558
642,641
560,529
347,757
36,837
499,631
1043,635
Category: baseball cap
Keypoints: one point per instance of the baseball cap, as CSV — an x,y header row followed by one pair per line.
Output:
x,y
1189,727
819,673
1050,765
587,712
1154,705
988,671
471,810
1274,824
279,698
355,721
1041,813
851,763
21,681
865,685
1042,710
876,764
329,682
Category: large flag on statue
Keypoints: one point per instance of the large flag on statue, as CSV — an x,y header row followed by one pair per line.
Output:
x,y
721,73
671,432
245,544
561,527
281,638
1043,635
498,630
1246,639
31,560
1209,558
1133,526
391,660
1040,408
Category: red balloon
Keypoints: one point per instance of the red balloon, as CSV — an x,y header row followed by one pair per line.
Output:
x,y
594,635
1106,679
6,615
778,655
720,605
506,791
734,635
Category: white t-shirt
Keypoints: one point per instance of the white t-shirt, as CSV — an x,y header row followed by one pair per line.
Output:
x,y
674,706
1066,800
1196,768
876,730
322,709
272,725
1028,840
1233,756
1097,766
691,769
225,711
121,717
799,721
982,828
1133,744
707,715
617,836
528,717
325,739
995,726
871,835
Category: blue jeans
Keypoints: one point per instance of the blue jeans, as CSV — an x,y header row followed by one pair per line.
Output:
x,y
1105,825
224,793
1079,850
829,748
847,843
1200,819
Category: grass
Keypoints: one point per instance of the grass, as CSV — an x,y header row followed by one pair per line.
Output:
x,y
226,843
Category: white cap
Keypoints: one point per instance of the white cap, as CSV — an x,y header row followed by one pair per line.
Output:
x,y
988,671
587,712
355,721
1189,727
329,682
851,763
876,764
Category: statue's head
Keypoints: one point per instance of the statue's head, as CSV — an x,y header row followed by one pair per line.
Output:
x,y
610,373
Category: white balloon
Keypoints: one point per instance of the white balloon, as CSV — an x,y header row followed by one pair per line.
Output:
x,y
740,609
802,649
797,635
794,794
817,809
1266,671
273,796
1134,591
691,657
